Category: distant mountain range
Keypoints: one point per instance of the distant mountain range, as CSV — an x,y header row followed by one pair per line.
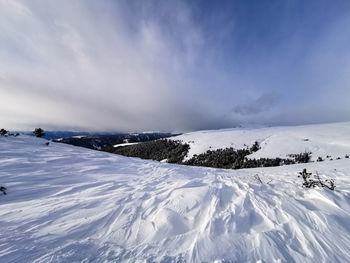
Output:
x,y
51,135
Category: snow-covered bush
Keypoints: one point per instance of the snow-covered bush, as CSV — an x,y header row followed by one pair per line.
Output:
x,y
3,132
316,181
3,189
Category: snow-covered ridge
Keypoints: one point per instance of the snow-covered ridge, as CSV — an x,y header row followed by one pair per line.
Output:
x,y
70,204
321,140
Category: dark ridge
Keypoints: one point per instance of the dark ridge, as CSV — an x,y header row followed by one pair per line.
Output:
x,y
169,150
106,141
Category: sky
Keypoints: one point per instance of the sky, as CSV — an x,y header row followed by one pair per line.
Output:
x,y
145,65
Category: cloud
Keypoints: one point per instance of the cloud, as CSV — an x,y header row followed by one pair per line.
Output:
x,y
264,103
160,65
66,64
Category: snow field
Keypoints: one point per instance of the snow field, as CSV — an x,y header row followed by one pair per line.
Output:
x,y
322,140
69,204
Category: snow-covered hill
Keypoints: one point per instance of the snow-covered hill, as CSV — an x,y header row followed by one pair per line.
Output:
x,y
70,204
321,140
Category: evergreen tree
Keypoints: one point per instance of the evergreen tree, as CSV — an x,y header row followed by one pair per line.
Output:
x,y
255,147
39,132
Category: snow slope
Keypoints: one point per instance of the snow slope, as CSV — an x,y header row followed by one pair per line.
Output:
x,y
124,144
322,140
70,204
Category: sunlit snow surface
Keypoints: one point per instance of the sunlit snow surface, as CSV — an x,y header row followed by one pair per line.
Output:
x,y
322,140
70,204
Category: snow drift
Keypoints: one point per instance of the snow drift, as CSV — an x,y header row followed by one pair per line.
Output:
x,y
70,204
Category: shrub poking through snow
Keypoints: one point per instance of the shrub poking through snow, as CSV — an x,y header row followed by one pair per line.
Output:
x,y
316,181
6,133
3,132
258,179
3,189
319,159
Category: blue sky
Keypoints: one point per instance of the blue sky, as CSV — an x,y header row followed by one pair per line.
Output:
x,y
173,65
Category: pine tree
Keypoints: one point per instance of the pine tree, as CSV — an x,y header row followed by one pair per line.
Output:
x,y
39,132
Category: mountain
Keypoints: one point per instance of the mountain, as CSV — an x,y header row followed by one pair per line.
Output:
x,y
71,204
101,141
331,139
51,135
248,148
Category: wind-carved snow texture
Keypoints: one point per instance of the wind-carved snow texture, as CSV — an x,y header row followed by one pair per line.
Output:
x,y
69,204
